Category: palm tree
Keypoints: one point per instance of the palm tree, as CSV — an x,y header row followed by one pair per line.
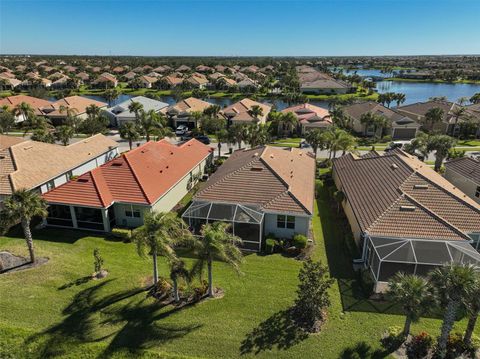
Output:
x,y
92,111
257,135
255,111
413,293
400,98
111,95
441,144
135,108
196,116
7,119
475,98
21,206
458,113
339,198
346,143
212,111
129,131
160,233
315,139
216,243
462,100
25,110
288,122
433,116
237,133
370,119
452,284
152,123
338,117
337,139
35,123
64,133
472,304
222,137
177,271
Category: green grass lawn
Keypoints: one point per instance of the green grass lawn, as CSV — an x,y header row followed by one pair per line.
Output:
x,y
55,310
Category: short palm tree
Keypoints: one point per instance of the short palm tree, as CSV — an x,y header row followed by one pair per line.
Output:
x,y
255,111
414,294
177,271
222,137
441,144
452,283
288,122
236,133
257,135
64,133
472,304
315,139
129,131
21,206
216,243
25,110
135,108
35,123
159,235
92,111
434,116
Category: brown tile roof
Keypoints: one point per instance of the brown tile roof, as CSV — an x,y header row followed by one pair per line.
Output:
x,y
37,104
78,103
36,162
275,179
467,167
188,105
418,110
311,115
239,110
356,111
141,176
396,195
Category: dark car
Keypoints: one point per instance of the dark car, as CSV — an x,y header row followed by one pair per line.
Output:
x,y
203,139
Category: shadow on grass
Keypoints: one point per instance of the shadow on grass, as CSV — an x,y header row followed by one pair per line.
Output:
x,y
279,331
76,282
62,235
364,351
131,323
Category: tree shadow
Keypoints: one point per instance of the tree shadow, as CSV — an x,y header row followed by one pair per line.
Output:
x,y
84,324
76,282
50,234
364,351
280,331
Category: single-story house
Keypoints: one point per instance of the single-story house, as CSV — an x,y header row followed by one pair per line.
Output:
x,y
119,114
78,104
152,177
147,81
7,82
398,125
465,174
197,80
180,112
260,191
239,112
37,104
310,116
405,217
105,80
43,166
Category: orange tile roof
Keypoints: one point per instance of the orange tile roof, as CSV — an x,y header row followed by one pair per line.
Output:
x,y
36,103
78,103
141,176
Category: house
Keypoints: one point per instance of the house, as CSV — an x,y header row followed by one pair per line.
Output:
x,y
310,116
398,125
83,76
239,112
464,173
260,191
78,104
405,217
38,104
247,84
316,82
152,177
105,80
119,114
171,81
42,166
180,113
184,68
8,82
147,81
129,76
197,81
225,83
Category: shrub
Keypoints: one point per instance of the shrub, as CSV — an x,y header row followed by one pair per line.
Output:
x,y
97,260
270,245
299,241
456,347
367,282
419,346
123,233
392,338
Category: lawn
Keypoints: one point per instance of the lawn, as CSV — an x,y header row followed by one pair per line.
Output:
x,y
55,310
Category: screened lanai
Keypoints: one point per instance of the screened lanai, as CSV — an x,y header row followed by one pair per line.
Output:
x,y
246,221
387,256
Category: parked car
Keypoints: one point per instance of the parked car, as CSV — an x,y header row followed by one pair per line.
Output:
x,y
396,144
475,155
181,130
202,138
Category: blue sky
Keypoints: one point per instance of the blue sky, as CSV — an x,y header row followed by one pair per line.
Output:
x,y
240,27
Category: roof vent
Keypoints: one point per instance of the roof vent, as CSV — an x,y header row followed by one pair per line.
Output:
x,y
393,166
28,147
82,180
257,169
420,186
117,164
407,208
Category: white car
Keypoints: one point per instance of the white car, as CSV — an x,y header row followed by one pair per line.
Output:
x,y
475,155
181,130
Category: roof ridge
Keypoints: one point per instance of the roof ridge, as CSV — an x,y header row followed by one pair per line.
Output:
x,y
93,175
136,177
401,196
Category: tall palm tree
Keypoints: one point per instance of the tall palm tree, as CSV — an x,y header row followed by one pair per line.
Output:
x,y
400,98
135,108
222,137
475,98
338,117
441,144
457,113
212,111
21,206
111,95
414,294
216,243
315,139
237,133
370,119
337,139
64,133
257,135
472,304
452,283
256,112
346,143
288,122
151,123
160,233
129,131
196,116
434,116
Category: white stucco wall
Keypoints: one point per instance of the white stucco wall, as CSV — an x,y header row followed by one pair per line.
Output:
x,y
270,226
465,185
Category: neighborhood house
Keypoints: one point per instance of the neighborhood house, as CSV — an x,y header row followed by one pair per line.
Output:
x,y
465,174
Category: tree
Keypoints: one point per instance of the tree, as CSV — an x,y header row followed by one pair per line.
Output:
x,y
135,108
255,111
441,144
212,111
153,123
216,243
370,119
433,116
35,123
475,98
472,304
129,131
315,139
196,116
21,206
64,133
257,134
452,283
339,198
346,143
177,271
160,233
418,144
414,294
457,113
236,132
339,118
337,139
92,111
7,120
287,122
400,98
312,294
24,110
111,95
222,137
93,125
42,135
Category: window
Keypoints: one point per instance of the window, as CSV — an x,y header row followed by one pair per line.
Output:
x,y
285,221
477,192
50,185
132,214
69,175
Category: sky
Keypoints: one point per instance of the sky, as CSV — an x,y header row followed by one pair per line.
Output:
x,y
240,27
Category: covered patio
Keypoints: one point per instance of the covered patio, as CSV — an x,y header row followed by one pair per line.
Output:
x,y
246,221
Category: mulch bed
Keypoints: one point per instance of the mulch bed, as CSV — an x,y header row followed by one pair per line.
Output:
x,y
12,263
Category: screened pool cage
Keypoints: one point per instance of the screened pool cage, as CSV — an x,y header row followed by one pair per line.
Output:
x,y
246,221
387,256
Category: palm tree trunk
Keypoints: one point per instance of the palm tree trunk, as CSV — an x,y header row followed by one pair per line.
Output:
x,y
239,144
147,136
472,321
28,238
155,269
406,328
447,325
438,163
175,290
130,143
210,280
219,149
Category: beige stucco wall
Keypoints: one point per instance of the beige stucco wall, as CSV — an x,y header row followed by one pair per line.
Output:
x,y
270,226
464,184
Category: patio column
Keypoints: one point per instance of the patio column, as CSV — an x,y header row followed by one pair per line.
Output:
x,y
74,217
105,219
